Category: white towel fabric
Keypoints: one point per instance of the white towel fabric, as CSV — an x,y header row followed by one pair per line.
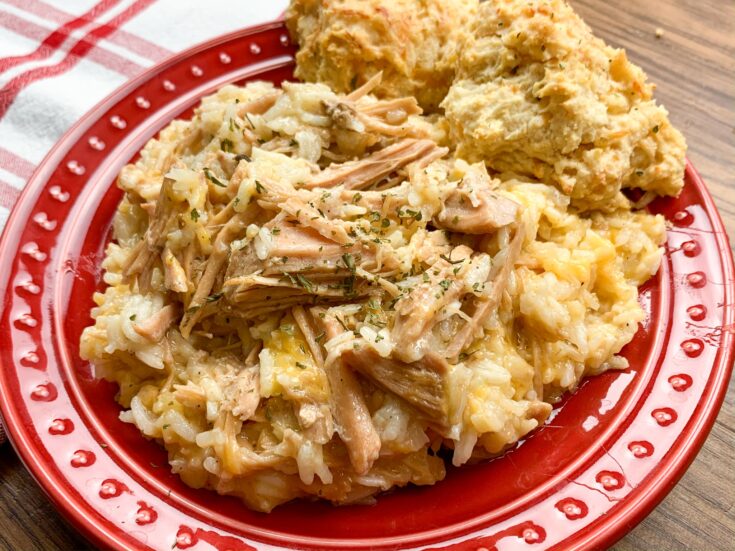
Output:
x,y
58,58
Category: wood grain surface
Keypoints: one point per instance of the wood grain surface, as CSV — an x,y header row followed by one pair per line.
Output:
x,y
693,64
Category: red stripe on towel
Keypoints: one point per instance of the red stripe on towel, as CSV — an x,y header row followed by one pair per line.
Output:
x,y
17,165
135,44
53,41
99,55
8,196
11,90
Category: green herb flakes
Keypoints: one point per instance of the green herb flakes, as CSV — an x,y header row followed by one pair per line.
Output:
x,y
214,297
212,178
349,261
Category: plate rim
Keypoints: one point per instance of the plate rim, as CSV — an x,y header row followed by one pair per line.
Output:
x,y
602,532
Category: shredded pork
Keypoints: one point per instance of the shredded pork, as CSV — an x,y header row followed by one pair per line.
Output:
x,y
308,295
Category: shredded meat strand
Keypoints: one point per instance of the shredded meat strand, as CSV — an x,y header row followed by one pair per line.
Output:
x,y
306,325
422,383
417,312
499,277
221,248
353,422
365,172
260,105
155,327
460,215
372,83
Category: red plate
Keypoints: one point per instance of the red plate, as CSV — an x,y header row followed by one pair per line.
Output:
x,y
608,456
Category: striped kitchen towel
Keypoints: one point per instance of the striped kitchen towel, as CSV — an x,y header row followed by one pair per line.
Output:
x,y
58,58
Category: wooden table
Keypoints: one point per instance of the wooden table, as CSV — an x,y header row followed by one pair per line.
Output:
x,y
693,63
